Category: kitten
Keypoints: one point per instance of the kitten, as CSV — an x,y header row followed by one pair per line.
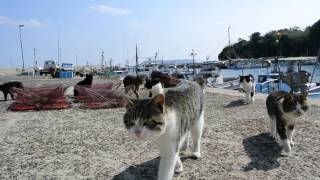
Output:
x,y
133,83
86,82
6,88
168,119
283,109
248,86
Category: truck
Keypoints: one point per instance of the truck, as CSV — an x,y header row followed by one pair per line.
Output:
x,y
50,67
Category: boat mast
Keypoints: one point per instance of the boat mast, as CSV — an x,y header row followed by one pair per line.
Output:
x,y
59,48
136,59
193,54
229,42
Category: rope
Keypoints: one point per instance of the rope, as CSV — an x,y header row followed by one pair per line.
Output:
x,y
314,69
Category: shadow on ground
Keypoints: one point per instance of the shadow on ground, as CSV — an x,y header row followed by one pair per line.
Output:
x,y
236,103
264,152
145,171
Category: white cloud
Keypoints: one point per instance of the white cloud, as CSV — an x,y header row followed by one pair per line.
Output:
x,y
6,21
110,10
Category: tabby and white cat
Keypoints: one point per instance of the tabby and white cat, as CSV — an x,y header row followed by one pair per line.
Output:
x,y
283,109
248,86
168,119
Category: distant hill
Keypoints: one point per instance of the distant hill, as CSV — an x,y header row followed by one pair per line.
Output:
x,y
284,42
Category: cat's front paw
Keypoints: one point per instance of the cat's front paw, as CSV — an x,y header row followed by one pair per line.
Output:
x,y
178,170
196,155
286,146
291,143
178,167
273,135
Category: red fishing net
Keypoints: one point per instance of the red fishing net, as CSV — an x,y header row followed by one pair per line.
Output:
x,y
39,98
100,96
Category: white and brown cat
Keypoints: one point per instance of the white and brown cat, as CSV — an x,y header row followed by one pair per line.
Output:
x,y
284,108
168,118
247,85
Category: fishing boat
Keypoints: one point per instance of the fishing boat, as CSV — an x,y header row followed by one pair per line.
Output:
x,y
295,81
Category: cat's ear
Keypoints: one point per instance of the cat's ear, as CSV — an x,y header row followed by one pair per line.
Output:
x,y
158,101
127,100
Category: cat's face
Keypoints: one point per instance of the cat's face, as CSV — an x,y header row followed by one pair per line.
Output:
x,y
141,80
89,76
144,117
295,103
245,79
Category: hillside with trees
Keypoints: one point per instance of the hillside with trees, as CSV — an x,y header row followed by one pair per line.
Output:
x,y
284,42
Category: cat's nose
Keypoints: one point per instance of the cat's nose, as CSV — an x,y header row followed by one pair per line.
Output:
x,y
137,132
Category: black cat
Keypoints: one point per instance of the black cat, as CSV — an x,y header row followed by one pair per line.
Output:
x,y
6,88
86,82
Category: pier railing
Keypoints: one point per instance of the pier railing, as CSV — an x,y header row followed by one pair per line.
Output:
x,y
268,86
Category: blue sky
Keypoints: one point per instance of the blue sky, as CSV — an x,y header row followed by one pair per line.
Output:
x,y
170,27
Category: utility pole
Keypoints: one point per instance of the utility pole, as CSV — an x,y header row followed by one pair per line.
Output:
x,y
20,26
127,63
193,54
35,61
136,59
77,60
155,60
102,59
110,63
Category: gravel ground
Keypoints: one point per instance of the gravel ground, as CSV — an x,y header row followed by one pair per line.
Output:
x,y
93,144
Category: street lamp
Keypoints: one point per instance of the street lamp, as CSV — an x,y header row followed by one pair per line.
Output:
x,y
155,60
20,26
193,54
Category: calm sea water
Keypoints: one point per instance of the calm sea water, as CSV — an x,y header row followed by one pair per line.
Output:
x,y
259,71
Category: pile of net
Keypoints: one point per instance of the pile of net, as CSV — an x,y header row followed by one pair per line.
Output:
x,y
167,80
39,98
100,96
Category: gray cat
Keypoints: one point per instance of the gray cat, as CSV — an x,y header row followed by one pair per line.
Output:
x,y
283,109
168,119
